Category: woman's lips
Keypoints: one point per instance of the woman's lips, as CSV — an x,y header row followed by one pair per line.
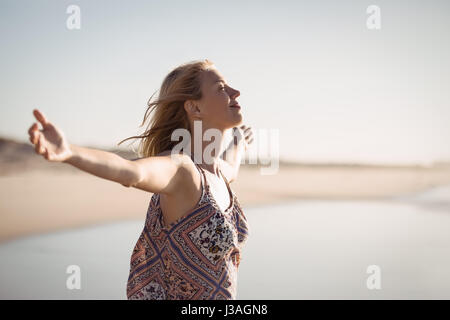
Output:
x,y
236,106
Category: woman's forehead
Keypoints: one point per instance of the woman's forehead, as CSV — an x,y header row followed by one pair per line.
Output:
x,y
213,76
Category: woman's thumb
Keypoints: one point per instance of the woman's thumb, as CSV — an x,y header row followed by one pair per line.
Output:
x,y
40,117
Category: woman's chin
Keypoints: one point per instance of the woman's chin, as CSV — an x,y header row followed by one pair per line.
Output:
x,y
238,121
233,121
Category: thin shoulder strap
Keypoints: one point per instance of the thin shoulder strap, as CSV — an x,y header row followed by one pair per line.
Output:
x,y
230,191
203,179
224,178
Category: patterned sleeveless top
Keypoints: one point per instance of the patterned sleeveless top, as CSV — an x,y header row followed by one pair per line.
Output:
x,y
195,257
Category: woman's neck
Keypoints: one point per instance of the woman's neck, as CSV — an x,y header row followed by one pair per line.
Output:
x,y
206,152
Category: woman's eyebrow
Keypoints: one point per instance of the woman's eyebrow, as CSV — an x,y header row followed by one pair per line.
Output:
x,y
220,81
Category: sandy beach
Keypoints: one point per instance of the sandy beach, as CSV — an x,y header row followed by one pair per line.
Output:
x,y
37,196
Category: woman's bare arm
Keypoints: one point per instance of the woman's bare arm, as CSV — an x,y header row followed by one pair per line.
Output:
x,y
159,174
104,164
235,151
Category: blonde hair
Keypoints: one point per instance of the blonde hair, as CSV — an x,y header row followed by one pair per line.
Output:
x,y
181,84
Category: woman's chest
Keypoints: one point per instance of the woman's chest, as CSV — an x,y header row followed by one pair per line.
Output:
x,y
219,191
217,237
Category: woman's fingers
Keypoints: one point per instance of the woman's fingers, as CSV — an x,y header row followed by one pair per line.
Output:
x,y
33,127
32,132
46,154
34,136
39,147
42,148
40,117
246,129
247,133
37,137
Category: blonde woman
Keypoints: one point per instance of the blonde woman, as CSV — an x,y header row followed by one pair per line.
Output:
x,y
190,246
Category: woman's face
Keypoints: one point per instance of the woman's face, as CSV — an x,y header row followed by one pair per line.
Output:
x,y
215,106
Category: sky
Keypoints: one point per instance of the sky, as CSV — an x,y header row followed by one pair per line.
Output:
x,y
335,90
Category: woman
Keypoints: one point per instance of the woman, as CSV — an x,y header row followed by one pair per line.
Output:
x,y
195,229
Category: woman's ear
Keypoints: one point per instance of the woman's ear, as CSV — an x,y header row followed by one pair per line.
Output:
x,y
191,108
186,106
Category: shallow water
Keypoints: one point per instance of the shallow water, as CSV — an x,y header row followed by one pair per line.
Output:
x,y
301,250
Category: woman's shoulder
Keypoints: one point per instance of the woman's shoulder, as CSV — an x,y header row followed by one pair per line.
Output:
x,y
167,172
164,153
179,157
182,159
187,166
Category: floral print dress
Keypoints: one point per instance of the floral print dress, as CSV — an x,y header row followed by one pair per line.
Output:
x,y
196,257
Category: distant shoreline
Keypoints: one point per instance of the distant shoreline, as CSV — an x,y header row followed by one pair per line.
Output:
x,y
17,156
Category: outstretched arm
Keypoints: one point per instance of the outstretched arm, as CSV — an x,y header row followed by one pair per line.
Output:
x,y
232,155
154,174
104,164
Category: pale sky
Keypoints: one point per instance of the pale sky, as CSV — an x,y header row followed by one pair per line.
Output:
x,y
335,90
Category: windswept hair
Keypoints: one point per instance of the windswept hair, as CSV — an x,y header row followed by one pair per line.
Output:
x,y
181,84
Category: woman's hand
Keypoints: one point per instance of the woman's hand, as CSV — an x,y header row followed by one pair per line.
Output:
x,y
50,141
244,135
